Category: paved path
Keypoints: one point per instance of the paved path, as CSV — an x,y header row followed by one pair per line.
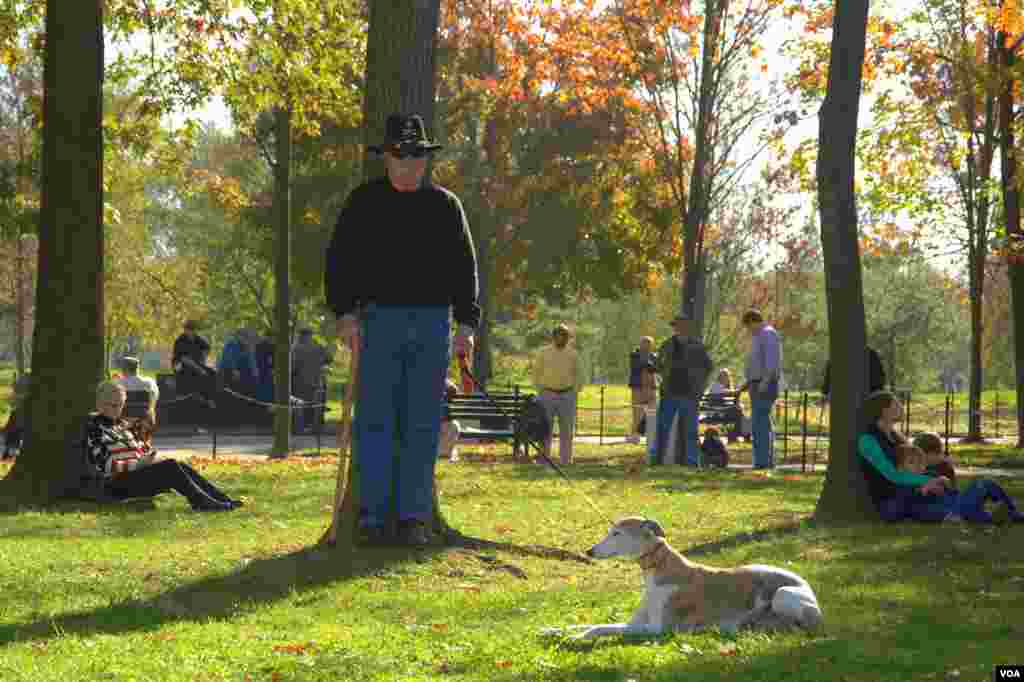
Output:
x,y
259,446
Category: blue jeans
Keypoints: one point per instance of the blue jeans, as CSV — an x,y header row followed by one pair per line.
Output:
x,y
761,405
969,504
687,411
402,366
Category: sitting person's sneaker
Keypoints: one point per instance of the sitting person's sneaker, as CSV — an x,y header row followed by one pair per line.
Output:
x,y
413,533
1000,514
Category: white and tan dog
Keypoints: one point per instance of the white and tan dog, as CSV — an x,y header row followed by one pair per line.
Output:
x,y
684,596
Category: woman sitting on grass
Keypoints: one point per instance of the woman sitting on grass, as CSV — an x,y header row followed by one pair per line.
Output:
x,y
900,495
129,468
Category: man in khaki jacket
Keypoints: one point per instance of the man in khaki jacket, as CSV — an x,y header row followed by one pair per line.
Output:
x,y
556,374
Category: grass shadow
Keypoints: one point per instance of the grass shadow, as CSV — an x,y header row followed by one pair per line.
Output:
x,y
259,581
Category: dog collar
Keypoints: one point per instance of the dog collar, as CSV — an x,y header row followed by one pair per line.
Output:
x,y
642,559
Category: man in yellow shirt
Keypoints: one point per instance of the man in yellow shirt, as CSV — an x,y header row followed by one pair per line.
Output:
x,y
556,374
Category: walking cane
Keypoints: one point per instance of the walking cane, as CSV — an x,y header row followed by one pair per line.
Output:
x,y
344,443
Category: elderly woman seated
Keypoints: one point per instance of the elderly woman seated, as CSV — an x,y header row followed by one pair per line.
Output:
x,y
129,468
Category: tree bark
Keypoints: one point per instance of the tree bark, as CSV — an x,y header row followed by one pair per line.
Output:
x,y
400,77
844,496
981,203
1011,205
692,299
67,351
282,275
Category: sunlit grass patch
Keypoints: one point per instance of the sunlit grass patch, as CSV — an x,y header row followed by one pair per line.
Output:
x,y
114,593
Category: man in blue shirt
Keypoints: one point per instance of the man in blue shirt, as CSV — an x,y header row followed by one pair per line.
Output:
x,y
763,374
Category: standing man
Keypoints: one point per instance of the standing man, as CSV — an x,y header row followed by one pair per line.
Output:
x,y
308,362
641,382
876,374
191,374
400,266
685,366
556,374
763,373
132,381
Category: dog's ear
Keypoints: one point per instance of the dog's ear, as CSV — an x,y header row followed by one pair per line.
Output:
x,y
652,526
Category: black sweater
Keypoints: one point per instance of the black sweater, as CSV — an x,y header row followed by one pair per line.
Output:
x,y
402,248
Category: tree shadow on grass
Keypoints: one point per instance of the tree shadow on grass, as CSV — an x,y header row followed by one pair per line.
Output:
x,y
259,581
262,581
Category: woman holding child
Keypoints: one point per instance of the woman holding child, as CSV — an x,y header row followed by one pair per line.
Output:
x,y
901,494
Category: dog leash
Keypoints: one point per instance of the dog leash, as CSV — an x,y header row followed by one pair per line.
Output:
x,y
464,367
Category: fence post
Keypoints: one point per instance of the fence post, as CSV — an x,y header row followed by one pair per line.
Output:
x,y
575,419
997,414
803,445
948,404
906,402
600,437
785,425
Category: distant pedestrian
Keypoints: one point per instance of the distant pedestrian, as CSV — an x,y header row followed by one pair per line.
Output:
x,y
557,376
309,361
642,383
763,374
191,373
684,365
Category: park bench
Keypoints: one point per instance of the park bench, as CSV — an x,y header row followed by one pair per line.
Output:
x,y
722,409
497,416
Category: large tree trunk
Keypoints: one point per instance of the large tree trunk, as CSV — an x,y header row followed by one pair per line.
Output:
x,y
400,77
67,352
1011,205
844,496
282,275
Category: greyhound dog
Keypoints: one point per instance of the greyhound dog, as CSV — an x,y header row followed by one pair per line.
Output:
x,y
684,596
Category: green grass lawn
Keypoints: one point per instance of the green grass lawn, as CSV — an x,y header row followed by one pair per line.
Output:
x,y
168,594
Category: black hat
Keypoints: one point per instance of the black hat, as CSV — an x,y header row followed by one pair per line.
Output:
x,y
405,136
129,362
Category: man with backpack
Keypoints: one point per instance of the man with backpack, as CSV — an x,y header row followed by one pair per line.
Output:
x,y
684,366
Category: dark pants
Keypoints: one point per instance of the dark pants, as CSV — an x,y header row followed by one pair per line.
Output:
x,y
168,474
306,417
13,433
203,384
969,504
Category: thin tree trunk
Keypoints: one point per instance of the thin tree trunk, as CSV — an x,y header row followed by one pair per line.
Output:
x,y
844,496
19,304
692,299
977,262
68,344
1011,205
282,277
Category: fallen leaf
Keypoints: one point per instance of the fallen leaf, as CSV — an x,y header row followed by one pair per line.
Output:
x,y
504,663
292,648
439,627
728,650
